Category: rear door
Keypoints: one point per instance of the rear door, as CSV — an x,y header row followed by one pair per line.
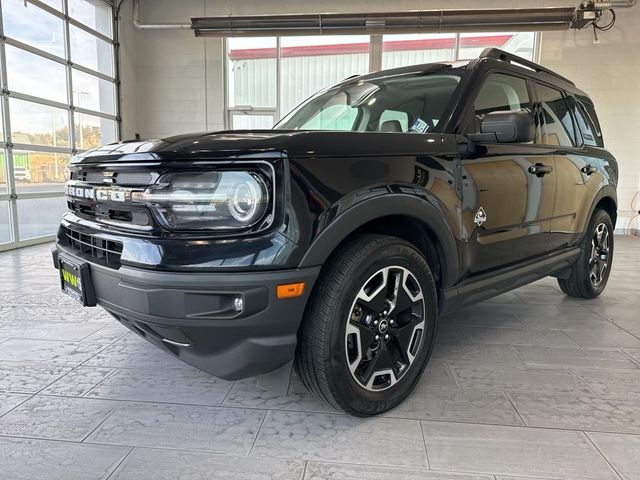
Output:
x,y
507,207
576,163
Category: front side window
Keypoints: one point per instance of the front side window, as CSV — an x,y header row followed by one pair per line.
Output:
x,y
403,103
558,124
500,93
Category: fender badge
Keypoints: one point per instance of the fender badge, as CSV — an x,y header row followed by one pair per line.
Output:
x,y
480,217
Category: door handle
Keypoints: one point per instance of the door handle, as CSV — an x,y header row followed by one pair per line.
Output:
x,y
588,169
540,170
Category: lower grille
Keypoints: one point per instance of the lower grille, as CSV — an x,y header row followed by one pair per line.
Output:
x,y
98,250
127,215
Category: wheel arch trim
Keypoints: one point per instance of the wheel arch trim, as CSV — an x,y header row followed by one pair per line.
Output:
x,y
608,192
397,204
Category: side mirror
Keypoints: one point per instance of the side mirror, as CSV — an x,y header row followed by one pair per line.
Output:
x,y
505,127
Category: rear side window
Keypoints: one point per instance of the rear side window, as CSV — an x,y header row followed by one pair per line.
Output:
x,y
558,128
587,122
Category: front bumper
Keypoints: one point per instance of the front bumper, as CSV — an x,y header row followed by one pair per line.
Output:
x,y
191,315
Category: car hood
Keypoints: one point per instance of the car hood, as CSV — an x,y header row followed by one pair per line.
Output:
x,y
266,143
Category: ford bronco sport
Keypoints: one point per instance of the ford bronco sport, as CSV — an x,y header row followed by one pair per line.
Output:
x,y
338,238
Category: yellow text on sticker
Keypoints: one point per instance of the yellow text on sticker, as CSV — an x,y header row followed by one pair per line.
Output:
x,y
69,278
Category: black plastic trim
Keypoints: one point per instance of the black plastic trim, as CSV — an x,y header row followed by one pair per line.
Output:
x,y
191,315
496,283
374,208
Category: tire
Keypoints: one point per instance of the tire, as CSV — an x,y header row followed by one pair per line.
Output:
x,y
337,343
587,279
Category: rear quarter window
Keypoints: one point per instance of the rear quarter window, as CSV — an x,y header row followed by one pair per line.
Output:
x,y
587,121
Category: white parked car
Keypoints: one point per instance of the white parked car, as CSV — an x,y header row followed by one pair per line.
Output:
x,y
21,174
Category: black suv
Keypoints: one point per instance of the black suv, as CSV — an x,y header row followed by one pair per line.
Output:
x,y
338,238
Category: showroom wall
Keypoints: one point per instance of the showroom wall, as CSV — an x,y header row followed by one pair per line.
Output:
x,y
173,82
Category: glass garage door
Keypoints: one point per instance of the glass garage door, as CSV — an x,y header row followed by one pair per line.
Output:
x,y
57,72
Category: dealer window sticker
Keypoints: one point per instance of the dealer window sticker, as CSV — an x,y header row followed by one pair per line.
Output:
x,y
419,126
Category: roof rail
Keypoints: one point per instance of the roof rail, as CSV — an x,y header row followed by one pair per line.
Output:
x,y
498,54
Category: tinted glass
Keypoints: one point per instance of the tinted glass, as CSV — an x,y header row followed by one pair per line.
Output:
x,y
587,121
399,120
335,117
558,124
590,110
31,25
500,93
359,105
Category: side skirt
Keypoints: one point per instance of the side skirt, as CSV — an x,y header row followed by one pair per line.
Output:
x,y
492,284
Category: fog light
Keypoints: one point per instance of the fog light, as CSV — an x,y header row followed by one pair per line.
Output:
x,y
238,304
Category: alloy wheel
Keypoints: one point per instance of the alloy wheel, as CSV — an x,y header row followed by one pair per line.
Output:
x,y
385,328
600,252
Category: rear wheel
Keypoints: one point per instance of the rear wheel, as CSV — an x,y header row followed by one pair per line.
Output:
x,y
590,273
369,328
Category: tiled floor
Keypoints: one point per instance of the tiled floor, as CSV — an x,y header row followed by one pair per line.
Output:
x,y
530,385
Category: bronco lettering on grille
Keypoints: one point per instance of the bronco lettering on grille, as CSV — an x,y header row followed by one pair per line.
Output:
x,y
100,194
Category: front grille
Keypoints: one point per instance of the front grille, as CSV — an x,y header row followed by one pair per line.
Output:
x,y
132,216
122,214
90,247
124,178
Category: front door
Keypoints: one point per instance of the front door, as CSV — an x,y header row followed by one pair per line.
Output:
x,y
508,189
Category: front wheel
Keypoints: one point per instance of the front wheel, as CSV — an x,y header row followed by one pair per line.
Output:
x,y
370,325
590,273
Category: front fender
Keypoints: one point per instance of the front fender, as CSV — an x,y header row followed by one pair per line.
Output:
x,y
397,204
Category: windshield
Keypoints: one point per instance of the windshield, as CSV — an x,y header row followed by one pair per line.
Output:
x,y
412,103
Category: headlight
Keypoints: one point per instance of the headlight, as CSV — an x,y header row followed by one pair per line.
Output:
x,y
222,200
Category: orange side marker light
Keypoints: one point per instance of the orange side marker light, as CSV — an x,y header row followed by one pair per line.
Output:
x,y
290,290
